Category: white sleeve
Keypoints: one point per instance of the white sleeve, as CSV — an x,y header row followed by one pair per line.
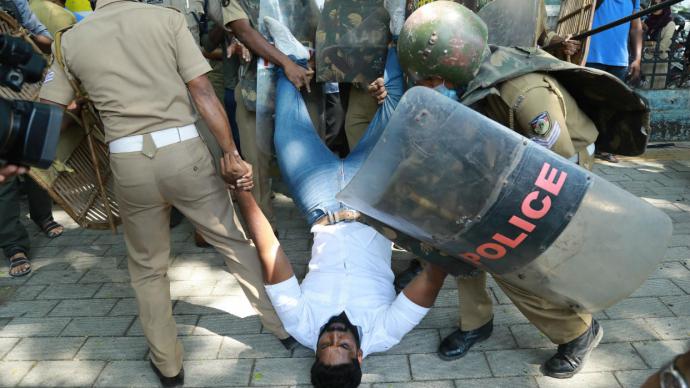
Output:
x,y
286,298
402,316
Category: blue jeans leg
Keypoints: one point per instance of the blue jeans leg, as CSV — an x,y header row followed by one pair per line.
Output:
x,y
309,168
312,172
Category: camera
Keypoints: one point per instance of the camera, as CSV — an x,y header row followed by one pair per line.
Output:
x,y
19,63
29,131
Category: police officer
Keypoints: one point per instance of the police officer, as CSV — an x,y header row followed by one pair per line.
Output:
x,y
194,12
351,43
520,89
142,89
241,17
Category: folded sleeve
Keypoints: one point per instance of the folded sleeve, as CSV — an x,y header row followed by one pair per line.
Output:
x,y
29,19
233,11
56,86
190,61
286,298
402,316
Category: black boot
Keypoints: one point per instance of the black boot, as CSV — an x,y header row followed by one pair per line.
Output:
x,y
175,381
289,343
459,342
405,277
571,357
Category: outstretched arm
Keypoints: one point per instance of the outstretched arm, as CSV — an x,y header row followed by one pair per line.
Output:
x,y
251,38
424,288
276,267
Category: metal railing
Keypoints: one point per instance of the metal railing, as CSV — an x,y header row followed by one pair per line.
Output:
x,y
666,69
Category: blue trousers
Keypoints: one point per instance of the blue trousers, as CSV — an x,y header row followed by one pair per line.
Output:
x,y
619,72
312,172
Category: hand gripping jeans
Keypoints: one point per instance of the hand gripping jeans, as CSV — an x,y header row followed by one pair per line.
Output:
x,y
313,173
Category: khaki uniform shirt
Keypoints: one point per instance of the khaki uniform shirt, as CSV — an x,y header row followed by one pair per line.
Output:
x,y
191,9
233,11
54,17
538,107
138,85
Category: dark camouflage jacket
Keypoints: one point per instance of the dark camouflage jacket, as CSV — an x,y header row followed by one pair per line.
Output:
x,y
619,113
247,82
351,41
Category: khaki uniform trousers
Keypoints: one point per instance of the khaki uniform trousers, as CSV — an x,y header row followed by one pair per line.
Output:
x,y
560,324
261,160
522,100
361,108
181,175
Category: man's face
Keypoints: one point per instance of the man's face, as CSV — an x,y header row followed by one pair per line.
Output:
x,y
338,344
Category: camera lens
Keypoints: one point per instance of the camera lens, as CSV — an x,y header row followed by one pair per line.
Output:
x,y
14,51
29,132
10,123
33,69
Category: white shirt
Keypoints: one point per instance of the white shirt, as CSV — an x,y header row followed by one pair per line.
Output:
x,y
350,271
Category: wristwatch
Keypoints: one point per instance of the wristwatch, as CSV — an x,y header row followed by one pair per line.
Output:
x,y
670,376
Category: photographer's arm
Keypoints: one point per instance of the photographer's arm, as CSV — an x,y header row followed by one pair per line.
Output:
x,y
43,42
276,267
9,170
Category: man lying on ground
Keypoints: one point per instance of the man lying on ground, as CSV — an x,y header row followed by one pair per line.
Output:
x,y
346,307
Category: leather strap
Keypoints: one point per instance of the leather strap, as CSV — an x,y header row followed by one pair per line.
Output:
x,y
345,215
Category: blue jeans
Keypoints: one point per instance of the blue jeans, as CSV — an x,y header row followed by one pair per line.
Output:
x,y
620,72
312,172
230,107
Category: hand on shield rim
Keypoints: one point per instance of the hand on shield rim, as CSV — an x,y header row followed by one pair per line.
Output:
x,y
236,172
377,89
9,170
298,75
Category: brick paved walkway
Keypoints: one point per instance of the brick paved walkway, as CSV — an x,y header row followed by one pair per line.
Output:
x,y
73,322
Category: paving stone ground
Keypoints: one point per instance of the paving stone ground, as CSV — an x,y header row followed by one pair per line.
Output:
x,y
73,321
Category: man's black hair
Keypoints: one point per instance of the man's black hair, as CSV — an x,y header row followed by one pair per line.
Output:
x,y
336,376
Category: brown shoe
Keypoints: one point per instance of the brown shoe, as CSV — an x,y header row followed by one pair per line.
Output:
x,y
199,240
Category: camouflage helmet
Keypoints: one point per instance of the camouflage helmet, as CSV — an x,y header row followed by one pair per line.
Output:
x,y
443,39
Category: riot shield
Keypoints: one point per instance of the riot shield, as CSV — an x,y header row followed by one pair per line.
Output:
x,y
351,41
301,17
479,192
513,22
576,16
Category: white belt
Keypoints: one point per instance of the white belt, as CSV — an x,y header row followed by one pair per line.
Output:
x,y
590,150
162,138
